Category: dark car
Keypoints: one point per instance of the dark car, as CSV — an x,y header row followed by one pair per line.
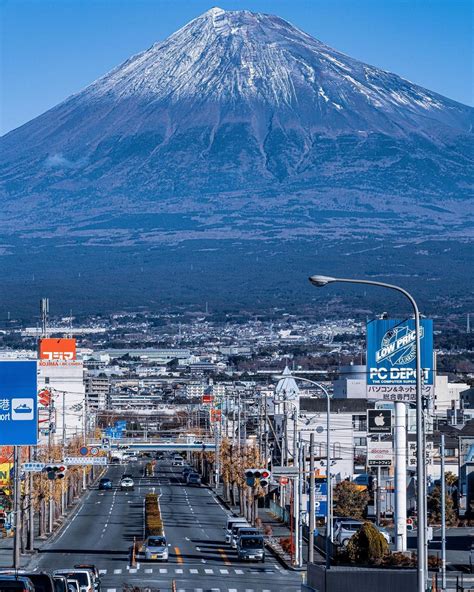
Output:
x,y
105,483
42,582
193,479
60,584
16,584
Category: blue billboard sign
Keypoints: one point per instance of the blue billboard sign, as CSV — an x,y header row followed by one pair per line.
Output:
x,y
320,499
18,403
391,359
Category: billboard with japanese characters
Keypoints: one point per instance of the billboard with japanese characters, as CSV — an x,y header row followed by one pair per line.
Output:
x,y
18,403
391,359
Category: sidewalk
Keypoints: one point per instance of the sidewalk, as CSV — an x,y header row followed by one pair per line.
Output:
x,y
279,531
6,544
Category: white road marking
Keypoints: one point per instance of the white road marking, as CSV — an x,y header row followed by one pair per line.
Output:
x,y
111,589
178,571
148,570
163,570
117,571
224,571
239,572
194,571
209,571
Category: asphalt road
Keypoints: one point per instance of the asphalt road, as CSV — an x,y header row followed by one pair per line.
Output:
x,y
102,532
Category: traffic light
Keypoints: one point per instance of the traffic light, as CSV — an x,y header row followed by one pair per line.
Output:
x,y
254,477
55,471
410,524
61,472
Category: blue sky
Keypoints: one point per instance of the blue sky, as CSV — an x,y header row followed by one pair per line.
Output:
x,y
53,48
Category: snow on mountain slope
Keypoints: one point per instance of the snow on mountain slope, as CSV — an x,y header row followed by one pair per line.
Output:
x,y
240,104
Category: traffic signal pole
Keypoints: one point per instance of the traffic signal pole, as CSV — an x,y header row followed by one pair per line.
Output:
x,y
16,507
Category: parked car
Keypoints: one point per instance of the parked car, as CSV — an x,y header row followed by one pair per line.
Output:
x,y
127,484
83,577
155,548
346,528
105,483
94,572
41,581
60,584
193,479
186,471
73,585
251,548
15,583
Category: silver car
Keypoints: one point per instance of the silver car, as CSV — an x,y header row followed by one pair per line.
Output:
x,y
155,548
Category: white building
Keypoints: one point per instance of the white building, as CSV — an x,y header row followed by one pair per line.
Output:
x,y
65,381
447,395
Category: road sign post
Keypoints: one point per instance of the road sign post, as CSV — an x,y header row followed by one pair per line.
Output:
x,y
18,403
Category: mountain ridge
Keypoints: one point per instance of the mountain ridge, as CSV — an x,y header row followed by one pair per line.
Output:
x,y
239,127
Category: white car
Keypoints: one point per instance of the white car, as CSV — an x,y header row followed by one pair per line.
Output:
x,y
83,577
345,529
127,484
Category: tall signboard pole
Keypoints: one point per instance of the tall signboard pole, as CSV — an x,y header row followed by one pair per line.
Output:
x,y
18,425
400,369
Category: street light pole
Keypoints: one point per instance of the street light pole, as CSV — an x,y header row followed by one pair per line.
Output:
x,y
328,467
321,281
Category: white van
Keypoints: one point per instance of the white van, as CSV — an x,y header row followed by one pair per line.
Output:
x,y
231,522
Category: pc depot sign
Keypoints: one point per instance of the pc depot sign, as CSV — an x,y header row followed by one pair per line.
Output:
x,y
18,403
391,359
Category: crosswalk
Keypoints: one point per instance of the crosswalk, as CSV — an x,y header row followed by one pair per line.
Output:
x,y
181,571
290,589
287,589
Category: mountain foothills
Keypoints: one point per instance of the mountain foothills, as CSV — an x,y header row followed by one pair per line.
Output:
x,y
240,129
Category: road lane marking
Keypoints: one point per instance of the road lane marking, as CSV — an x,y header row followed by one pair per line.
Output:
x,y
224,557
163,570
178,571
117,571
102,572
194,571
224,571
239,572
179,559
209,571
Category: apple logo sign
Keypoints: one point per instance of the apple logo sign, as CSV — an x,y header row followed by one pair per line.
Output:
x,y
379,420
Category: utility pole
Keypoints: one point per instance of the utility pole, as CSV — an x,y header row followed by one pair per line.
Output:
x,y
401,478
311,521
443,517
301,481
31,510
16,507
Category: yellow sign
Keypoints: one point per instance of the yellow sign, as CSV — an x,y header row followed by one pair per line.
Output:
x,y
5,469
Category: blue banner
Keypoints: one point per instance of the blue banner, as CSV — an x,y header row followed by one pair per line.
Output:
x,y
320,499
391,357
18,403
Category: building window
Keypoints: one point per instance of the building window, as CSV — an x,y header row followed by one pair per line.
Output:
x,y
360,441
359,423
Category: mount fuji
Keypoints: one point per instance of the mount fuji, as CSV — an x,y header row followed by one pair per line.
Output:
x,y
238,129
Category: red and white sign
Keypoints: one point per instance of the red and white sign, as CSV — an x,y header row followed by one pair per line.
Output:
x,y
57,349
283,480
44,397
207,399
